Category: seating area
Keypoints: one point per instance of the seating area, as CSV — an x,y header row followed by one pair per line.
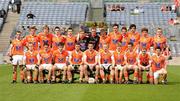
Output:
x,y
53,13
3,5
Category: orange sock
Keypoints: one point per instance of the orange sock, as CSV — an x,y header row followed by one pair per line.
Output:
x,y
135,74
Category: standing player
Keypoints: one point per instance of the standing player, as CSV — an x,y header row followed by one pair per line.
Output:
x,y
31,59
105,63
119,63
60,57
82,39
104,39
45,63
145,40
133,36
144,64
131,63
125,39
94,38
32,38
158,67
115,37
91,61
57,38
70,41
76,63
45,37
17,52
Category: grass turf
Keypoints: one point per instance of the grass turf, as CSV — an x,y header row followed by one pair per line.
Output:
x,y
89,92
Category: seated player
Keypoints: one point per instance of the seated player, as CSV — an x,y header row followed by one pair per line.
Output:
x,y
144,64
131,63
158,68
60,57
119,63
16,52
45,63
91,62
76,63
104,39
31,59
105,63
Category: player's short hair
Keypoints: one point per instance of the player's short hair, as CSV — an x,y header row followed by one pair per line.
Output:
x,y
57,28
131,26
90,43
144,29
77,43
33,27
93,28
130,43
82,31
102,31
46,27
60,44
158,48
116,25
70,28
18,32
123,28
46,44
159,28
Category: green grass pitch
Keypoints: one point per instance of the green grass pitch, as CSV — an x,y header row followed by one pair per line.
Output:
x,y
89,92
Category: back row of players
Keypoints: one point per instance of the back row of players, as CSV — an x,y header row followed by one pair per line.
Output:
x,y
106,57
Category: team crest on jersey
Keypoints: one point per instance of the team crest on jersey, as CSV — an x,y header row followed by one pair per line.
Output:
x,y
18,47
158,44
60,59
123,43
157,65
76,60
70,43
132,40
143,44
31,60
119,61
105,61
115,41
131,61
45,41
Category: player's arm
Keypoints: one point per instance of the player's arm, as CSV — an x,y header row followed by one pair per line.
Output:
x,y
99,59
39,59
70,58
113,61
24,59
96,59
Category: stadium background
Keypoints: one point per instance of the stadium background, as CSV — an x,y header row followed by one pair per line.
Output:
x,y
90,11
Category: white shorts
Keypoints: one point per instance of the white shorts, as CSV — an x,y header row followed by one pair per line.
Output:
x,y
111,51
30,67
69,53
17,60
60,66
105,66
46,66
158,72
119,67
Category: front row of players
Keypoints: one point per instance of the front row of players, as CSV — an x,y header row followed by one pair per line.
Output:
x,y
104,66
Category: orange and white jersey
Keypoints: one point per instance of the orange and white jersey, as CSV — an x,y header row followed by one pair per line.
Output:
x,y
144,59
90,56
145,42
103,40
134,38
114,39
60,57
31,57
159,42
17,47
46,56
131,57
45,39
76,58
119,58
105,57
158,62
56,40
70,43
32,39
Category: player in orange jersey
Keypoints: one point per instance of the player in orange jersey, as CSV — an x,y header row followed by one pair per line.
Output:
x,y
32,38
125,39
105,63
145,40
57,38
91,62
45,37
31,59
144,63
17,52
119,63
133,36
158,67
159,40
131,63
60,57
76,63
115,37
45,62
70,41
104,39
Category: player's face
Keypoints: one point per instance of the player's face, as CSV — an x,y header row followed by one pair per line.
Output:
x,y
81,34
30,47
143,51
158,51
46,47
32,31
118,47
46,30
103,34
105,47
144,33
18,35
60,48
69,32
57,31
77,47
123,31
133,29
159,32
93,31
115,29
90,46
130,47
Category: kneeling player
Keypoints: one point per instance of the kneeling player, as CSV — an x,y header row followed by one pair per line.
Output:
x,y
144,64
31,59
46,63
131,60
105,62
60,58
76,63
119,63
158,67
91,61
